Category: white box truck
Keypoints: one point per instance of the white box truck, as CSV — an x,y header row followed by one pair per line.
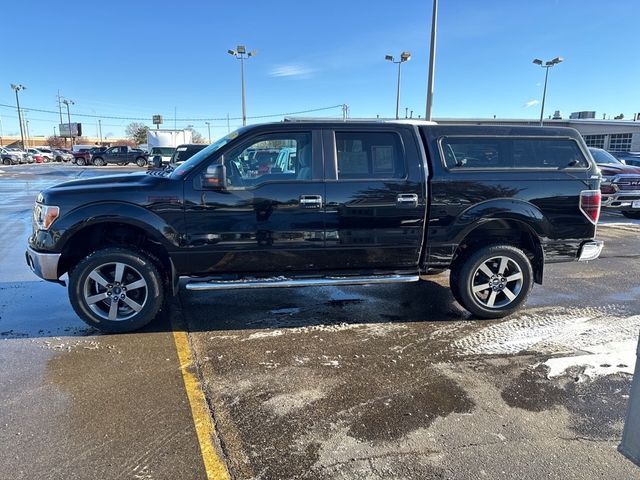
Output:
x,y
163,142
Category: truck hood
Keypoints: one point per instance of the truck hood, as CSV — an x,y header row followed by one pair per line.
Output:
x,y
110,186
610,170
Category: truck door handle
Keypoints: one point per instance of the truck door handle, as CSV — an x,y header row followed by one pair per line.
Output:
x,y
311,201
407,200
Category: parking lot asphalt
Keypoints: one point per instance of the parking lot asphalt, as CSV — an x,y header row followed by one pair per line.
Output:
x,y
360,382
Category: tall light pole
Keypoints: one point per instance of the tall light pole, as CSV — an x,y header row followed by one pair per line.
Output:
x,y
100,129
209,130
17,88
404,57
68,102
546,66
432,61
241,53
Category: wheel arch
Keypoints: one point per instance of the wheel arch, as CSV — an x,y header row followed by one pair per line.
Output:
x,y
503,230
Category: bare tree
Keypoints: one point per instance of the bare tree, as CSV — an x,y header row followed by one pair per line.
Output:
x,y
196,137
137,132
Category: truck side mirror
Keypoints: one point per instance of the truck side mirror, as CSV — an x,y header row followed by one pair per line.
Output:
x,y
215,177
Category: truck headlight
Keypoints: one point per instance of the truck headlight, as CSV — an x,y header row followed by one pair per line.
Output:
x,y
45,215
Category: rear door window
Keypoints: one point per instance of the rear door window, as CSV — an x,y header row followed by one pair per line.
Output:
x,y
369,155
508,153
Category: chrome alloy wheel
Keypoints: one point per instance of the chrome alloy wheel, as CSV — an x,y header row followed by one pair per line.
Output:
x,y
115,291
497,282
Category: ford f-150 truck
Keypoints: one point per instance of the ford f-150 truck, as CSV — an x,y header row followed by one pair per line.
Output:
x,y
120,155
365,203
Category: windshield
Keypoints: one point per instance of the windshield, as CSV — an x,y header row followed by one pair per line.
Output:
x,y
190,164
603,157
162,151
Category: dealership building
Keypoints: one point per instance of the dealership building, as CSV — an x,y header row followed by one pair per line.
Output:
x,y
612,135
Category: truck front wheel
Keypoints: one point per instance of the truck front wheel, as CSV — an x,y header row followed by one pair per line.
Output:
x,y
141,161
116,290
493,282
99,162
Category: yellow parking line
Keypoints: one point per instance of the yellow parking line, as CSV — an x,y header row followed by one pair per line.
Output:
x,y
205,430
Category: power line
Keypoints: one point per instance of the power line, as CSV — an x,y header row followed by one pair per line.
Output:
x,y
145,119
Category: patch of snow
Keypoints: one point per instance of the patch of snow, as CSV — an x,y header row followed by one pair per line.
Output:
x,y
264,334
615,357
549,333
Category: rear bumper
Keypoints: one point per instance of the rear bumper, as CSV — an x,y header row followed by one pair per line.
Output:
x,y
620,201
44,265
590,250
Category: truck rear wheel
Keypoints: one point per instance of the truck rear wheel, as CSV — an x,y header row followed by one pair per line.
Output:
x,y
493,282
116,290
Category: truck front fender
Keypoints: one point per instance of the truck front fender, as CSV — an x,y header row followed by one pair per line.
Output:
x,y
63,229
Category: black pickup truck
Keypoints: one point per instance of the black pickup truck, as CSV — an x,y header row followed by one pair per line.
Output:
x,y
366,203
120,155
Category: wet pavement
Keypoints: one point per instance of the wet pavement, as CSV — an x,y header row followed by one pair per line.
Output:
x,y
370,382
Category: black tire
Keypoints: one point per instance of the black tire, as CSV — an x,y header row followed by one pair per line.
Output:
x,y
633,215
6,161
502,296
99,162
85,286
80,161
141,161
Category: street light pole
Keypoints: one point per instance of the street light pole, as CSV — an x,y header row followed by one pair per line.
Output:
x,y
209,130
241,53
404,57
546,66
17,88
100,129
68,102
432,61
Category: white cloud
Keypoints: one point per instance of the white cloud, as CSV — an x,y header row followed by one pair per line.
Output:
x,y
531,103
292,70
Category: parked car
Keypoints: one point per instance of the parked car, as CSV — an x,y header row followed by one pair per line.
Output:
x,y
45,157
620,185
165,154
82,156
367,203
61,156
184,152
121,155
10,157
630,158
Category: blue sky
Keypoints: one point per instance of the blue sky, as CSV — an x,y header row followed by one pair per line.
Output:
x,y
138,58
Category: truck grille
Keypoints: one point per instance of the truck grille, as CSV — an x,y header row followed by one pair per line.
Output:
x,y
627,183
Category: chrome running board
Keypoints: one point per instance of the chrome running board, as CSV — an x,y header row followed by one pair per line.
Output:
x,y
279,282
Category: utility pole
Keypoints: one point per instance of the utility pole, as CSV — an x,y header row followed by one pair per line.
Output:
x,y
28,142
100,129
228,124
60,112
432,61
1,132
209,130
68,102
17,88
